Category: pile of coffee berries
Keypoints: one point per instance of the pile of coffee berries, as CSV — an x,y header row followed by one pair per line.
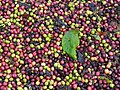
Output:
x,y
31,54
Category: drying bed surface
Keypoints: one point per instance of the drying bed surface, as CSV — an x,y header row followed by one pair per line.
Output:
x,y
31,51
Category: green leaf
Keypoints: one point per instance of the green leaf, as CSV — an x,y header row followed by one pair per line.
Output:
x,y
69,43
107,79
102,77
96,37
72,53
